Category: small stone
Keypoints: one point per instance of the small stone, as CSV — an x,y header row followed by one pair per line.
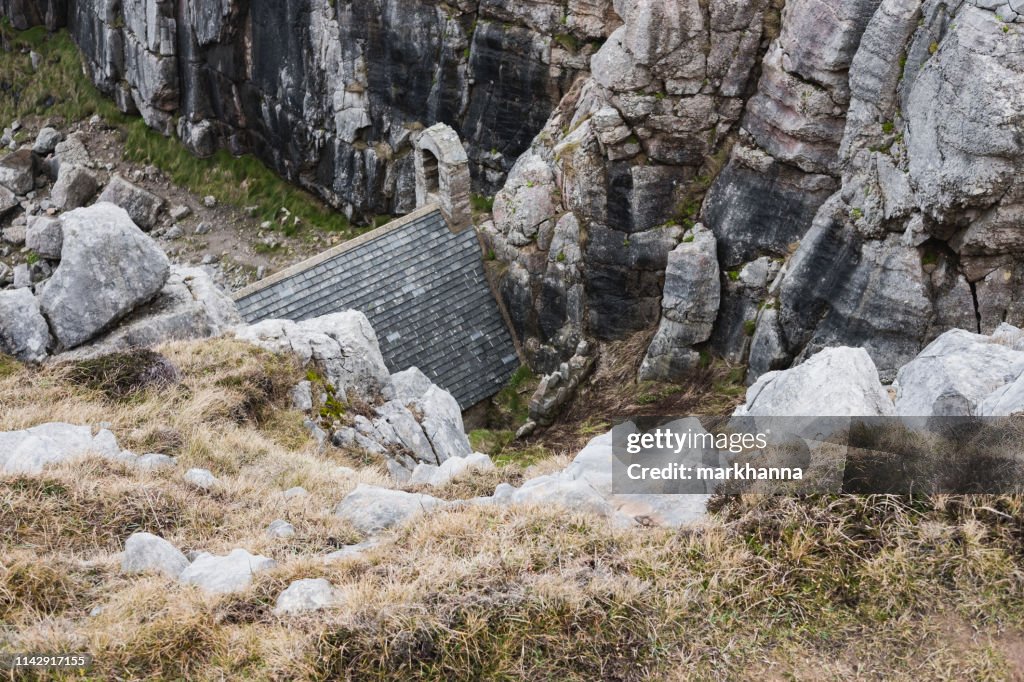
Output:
x,y
201,478
155,462
174,232
147,553
225,574
46,141
280,529
302,596
180,212
296,492
203,228
209,259
209,201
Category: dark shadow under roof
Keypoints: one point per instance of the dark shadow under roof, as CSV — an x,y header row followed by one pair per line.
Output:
x,y
424,290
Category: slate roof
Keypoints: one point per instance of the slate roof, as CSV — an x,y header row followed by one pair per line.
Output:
x,y
424,290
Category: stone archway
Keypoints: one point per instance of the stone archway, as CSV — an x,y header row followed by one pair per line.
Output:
x,y
442,174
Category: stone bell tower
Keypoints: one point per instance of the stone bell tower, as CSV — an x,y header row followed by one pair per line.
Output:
x,y
442,174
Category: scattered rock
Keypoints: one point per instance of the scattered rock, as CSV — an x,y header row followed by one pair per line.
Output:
x,y
46,141
428,474
201,478
371,509
203,228
351,551
280,529
45,237
18,171
8,200
179,212
209,201
28,451
225,574
142,206
303,596
147,553
155,462
296,492
75,186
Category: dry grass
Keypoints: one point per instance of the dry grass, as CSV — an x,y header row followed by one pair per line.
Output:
x,y
773,588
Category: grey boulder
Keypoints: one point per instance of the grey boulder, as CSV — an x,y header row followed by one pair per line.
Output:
x,y
371,509
837,382
303,596
954,374
225,574
24,333
142,205
147,553
108,268
189,306
74,188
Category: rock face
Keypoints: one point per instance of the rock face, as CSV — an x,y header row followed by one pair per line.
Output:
x,y
225,574
24,333
858,162
689,306
108,267
147,553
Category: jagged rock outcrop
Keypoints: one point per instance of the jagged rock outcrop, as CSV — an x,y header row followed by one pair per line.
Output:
x,y
403,415
689,305
620,164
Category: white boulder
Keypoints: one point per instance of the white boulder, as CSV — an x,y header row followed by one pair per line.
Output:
x,y
225,574
147,553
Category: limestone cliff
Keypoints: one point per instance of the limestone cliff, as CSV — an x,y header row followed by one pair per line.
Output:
x,y
848,170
